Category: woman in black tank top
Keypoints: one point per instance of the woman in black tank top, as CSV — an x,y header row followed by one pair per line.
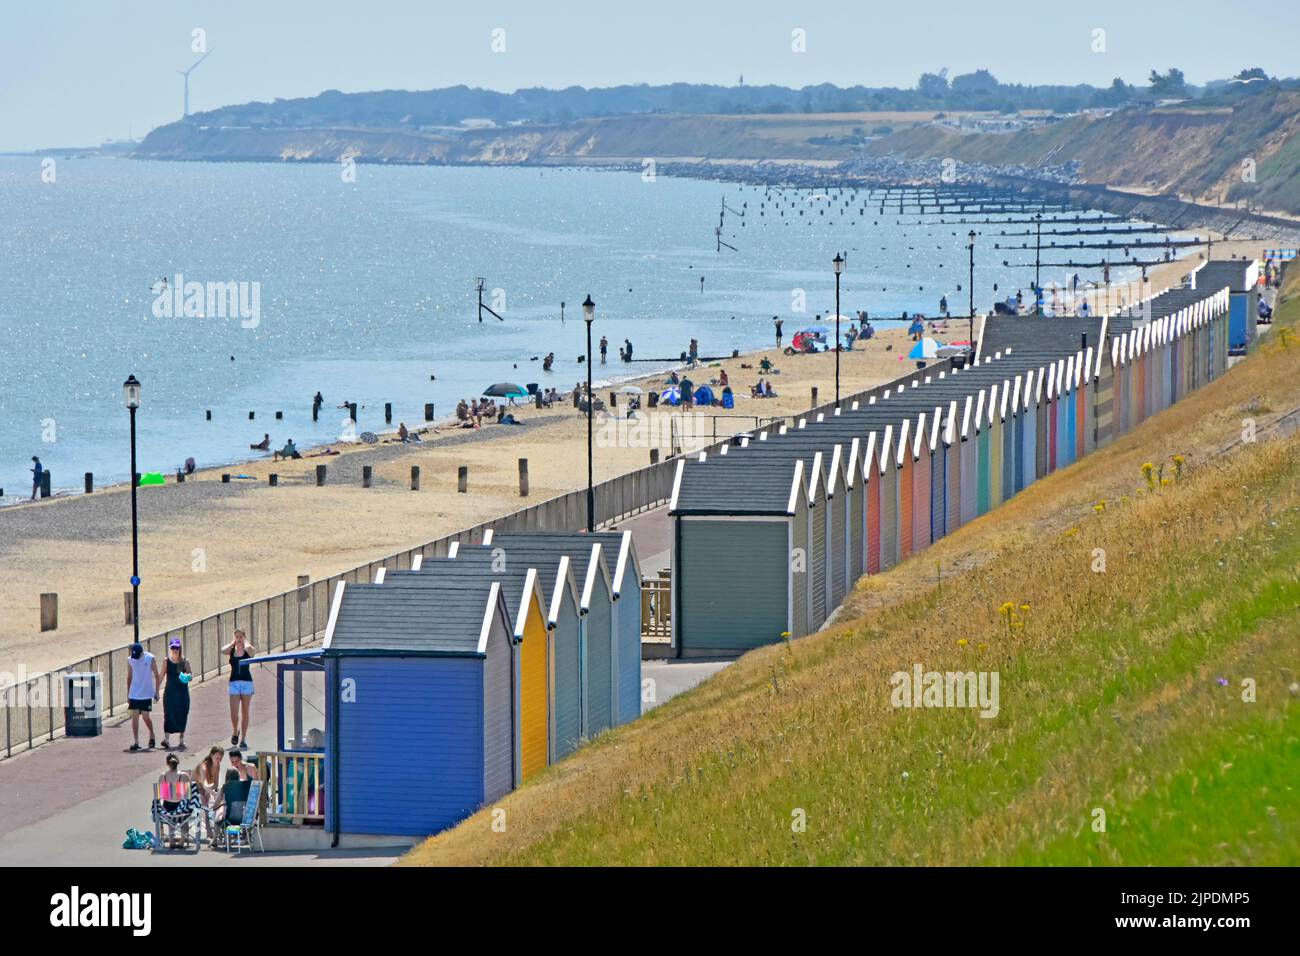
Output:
x,y
241,687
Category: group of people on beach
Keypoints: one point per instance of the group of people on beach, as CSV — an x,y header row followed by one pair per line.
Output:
x,y
470,414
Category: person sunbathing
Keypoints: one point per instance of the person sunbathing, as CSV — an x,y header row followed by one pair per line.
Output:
x,y
263,445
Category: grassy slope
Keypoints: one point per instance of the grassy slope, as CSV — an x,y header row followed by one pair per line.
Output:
x,y
1110,692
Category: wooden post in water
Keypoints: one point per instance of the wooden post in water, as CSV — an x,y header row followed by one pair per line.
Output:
x,y
279,416
388,413
365,476
415,477
250,416
523,477
209,414
654,456
90,482
320,475
462,479
428,411
49,611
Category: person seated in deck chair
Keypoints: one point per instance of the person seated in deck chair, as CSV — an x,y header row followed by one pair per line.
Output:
x,y
290,450
263,445
233,798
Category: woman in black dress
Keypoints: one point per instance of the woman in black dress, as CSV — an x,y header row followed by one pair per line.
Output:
x,y
176,695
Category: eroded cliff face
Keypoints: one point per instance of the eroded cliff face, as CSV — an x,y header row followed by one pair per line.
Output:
x,y
608,140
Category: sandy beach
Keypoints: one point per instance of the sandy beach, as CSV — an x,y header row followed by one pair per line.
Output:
x,y
206,546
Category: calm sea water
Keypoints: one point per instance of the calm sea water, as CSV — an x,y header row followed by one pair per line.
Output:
x,y
367,289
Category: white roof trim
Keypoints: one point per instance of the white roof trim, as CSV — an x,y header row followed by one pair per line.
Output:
x,y
620,568
885,455
453,549
379,575
417,562
487,537
965,416
902,443
979,410
795,486
918,437
334,613
521,617
677,484
494,595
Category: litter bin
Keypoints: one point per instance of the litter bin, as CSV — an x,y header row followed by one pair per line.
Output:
x,y
82,695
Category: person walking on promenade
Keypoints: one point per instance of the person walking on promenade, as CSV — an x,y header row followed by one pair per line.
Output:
x,y
241,687
38,472
142,691
176,695
776,320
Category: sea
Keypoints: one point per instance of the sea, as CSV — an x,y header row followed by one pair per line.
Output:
x,y
361,283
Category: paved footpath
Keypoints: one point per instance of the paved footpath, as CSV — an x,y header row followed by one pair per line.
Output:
x,y
70,802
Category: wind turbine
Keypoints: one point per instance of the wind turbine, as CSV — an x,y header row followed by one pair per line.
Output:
x,y
186,74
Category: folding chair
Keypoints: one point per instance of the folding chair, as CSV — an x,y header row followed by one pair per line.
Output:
x,y
246,833
185,819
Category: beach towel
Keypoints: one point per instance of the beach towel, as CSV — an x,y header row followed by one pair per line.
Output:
x,y
138,840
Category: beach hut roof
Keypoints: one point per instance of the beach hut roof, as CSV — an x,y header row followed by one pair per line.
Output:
x,y
1237,275
618,550
546,552
438,618
519,582
740,485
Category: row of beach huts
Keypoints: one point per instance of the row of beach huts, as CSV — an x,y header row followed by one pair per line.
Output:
x,y
443,687
771,532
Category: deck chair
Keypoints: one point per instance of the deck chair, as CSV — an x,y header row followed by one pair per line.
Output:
x,y
247,834
185,820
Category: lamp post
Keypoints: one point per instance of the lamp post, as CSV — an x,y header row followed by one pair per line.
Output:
x,y
1038,253
588,315
838,263
131,397
970,286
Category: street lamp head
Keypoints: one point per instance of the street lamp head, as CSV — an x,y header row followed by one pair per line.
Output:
x,y
970,238
838,263
131,392
589,309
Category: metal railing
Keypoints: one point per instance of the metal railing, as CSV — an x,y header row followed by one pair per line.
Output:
x,y
656,609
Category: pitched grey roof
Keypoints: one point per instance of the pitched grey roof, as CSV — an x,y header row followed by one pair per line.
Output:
x,y
577,544
417,615
1062,335
1218,273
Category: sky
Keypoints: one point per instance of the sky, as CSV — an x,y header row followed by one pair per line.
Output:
x,y
77,72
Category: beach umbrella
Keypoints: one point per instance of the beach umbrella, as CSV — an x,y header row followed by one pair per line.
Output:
x,y
630,390
816,330
672,395
927,348
505,390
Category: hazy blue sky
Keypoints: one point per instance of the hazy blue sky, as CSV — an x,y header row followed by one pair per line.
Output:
x,y
74,73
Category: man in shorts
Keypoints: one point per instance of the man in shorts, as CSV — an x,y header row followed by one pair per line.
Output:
x,y
142,692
